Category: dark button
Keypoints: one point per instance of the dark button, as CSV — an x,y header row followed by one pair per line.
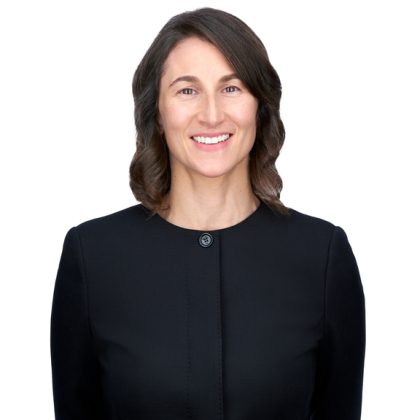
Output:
x,y
205,240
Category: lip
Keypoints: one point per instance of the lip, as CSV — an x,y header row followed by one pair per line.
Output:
x,y
211,134
213,147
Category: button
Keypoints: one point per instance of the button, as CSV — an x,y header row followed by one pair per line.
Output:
x,y
205,240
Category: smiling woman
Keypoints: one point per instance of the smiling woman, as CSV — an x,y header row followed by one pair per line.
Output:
x,y
205,76
207,108
210,299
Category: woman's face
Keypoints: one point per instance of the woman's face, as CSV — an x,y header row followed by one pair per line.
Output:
x,y
201,96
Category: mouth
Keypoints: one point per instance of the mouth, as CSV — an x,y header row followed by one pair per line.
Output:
x,y
204,140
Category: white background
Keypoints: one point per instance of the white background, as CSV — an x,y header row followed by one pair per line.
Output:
x,y
350,73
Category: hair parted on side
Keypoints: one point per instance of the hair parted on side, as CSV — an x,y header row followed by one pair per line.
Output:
x,y
150,172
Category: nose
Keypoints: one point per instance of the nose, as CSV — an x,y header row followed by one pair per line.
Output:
x,y
211,111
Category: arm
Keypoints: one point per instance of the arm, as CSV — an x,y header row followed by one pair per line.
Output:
x,y
338,393
75,370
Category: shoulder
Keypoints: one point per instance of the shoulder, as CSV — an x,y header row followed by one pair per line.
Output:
x,y
315,231
304,224
305,219
119,223
308,236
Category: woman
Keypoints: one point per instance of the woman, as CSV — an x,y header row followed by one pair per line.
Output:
x,y
210,299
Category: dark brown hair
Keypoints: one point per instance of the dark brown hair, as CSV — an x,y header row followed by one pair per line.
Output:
x,y
150,172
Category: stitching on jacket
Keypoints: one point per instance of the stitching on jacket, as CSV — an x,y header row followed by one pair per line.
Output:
x,y
86,287
325,282
219,330
187,305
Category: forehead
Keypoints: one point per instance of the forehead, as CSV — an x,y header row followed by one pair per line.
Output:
x,y
194,55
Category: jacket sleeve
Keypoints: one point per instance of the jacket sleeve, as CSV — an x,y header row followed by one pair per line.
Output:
x,y
338,393
75,371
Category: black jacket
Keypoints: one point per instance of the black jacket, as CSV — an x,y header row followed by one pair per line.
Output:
x,y
263,320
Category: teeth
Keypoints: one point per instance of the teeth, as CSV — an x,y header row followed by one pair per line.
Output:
x,y
211,140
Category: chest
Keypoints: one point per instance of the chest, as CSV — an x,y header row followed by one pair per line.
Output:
x,y
228,331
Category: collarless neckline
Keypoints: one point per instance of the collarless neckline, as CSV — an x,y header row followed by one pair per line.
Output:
x,y
244,222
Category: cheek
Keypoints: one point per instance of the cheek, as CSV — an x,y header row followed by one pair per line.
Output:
x,y
174,116
245,114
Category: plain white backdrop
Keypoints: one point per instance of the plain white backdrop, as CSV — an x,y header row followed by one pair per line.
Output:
x,y
350,75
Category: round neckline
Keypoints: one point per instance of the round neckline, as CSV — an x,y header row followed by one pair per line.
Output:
x,y
250,218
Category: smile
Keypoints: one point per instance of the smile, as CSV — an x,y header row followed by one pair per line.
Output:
x,y
211,140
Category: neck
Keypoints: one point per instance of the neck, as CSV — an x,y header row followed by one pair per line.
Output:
x,y
209,203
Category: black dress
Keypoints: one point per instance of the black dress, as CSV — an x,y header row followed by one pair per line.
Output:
x,y
263,320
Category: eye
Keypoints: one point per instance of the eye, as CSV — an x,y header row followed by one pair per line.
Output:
x,y
190,91
185,90
231,89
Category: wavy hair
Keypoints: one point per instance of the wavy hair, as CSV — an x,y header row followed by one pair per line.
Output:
x,y
150,172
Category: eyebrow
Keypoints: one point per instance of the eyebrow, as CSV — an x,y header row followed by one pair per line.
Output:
x,y
196,79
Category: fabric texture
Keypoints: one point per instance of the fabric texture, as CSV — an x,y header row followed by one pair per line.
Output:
x,y
265,323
